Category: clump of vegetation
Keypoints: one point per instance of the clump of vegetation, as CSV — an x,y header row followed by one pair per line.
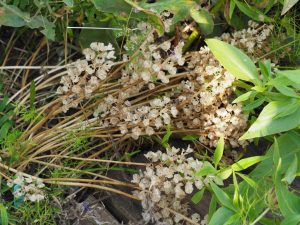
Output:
x,y
98,81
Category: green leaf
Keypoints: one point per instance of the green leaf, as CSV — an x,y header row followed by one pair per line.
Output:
x,y
287,5
145,15
49,32
291,171
291,220
126,9
287,91
4,129
253,105
3,215
5,118
267,123
220,216
179,8
166,137
225,173
235,61
69,2
212,207
244,97
219,151
190,138
252,12
116,6
248,180
204,20
205,170
281,80
235,199
222,197
86,37
12,16
265,68
285,147
3,103
198,196
290,109
231,9
258,88
276,154
288,202
247,162
293,75
234,219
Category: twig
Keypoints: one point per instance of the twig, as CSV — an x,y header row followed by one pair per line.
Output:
x,y
32,67
260,216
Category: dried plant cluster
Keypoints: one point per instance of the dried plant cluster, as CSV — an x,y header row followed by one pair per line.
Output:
x,y
27,188
166,183
85,75
252,40
151,93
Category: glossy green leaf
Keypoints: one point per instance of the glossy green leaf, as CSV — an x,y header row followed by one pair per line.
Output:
x,y
287,5
220,216
219,151
198,196
222,197
267,123
235,61
247,162
204,20
291,171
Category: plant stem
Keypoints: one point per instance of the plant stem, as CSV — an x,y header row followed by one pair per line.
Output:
x,y
260,216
